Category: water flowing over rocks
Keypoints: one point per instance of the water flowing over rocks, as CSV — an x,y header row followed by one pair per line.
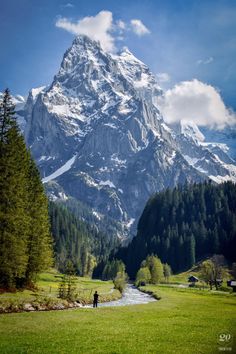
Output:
x,y
131,296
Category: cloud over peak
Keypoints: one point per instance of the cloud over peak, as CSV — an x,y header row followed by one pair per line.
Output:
x,y
102,28
138,27
96,27
198,102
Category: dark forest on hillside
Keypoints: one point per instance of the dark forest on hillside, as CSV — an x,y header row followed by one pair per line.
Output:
x,y
77,241
184,225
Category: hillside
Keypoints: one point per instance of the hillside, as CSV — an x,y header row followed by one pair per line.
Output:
x,y
185,224
77,241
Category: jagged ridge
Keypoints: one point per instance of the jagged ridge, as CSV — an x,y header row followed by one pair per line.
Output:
x,y
97,127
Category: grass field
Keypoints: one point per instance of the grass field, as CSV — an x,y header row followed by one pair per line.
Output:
x,y
184,321
47,290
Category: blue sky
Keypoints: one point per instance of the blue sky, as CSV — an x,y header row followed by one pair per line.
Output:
x,y
185,39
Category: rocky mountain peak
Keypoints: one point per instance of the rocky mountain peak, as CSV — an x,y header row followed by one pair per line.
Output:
x,y
191,130
97,135
83,51
128,56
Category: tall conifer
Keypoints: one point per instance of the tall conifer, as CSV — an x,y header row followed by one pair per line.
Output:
x,y
23,206
39,243
14,222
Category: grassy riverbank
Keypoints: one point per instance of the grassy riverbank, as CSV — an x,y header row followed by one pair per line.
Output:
x,y
183,321
46,293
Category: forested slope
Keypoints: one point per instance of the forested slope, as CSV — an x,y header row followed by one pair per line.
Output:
x,y
77,241
184,225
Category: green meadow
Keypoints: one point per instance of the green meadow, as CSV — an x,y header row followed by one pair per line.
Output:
x,y
183,321
47,291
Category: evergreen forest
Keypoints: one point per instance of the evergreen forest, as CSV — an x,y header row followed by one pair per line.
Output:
x,y
184,225
77,241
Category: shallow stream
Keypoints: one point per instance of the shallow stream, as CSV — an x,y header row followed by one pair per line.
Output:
x,y
131,296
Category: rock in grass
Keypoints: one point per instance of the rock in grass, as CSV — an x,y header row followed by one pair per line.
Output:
x,y
28,307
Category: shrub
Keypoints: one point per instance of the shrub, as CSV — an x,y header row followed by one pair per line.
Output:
x,y
120,281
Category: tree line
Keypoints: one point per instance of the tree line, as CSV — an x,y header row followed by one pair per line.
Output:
x,y
25,240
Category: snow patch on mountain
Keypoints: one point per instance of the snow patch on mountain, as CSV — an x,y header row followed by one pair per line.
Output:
x,y
130,223
107,183
194,162
191,130
19,102
36,91
170,159
222,146
45,158
66,167
220,179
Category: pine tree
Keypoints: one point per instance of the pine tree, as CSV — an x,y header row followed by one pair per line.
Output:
x,y
84,259
39,243
166,271
7,116
190,251
14,221
24,236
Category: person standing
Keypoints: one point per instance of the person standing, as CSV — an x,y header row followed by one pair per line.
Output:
x,y
95,299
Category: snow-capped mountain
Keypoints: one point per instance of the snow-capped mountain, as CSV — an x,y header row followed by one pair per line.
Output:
x,y
97,135
226,136
208,158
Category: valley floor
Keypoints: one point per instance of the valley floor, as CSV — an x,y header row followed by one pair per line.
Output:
x,y
47,290
183,321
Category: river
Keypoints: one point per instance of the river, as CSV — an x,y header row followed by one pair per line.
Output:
x,y
131,296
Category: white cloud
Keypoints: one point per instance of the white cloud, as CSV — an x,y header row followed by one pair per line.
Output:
x,y
205,61
138,27
163,77
67,5
102,28
96,27
121,24
198,102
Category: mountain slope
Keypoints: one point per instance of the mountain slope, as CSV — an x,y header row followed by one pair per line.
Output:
x,y
77,241
97,134
184,225
208,158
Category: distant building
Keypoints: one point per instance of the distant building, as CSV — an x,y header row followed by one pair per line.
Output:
x,y
192,280
232,284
